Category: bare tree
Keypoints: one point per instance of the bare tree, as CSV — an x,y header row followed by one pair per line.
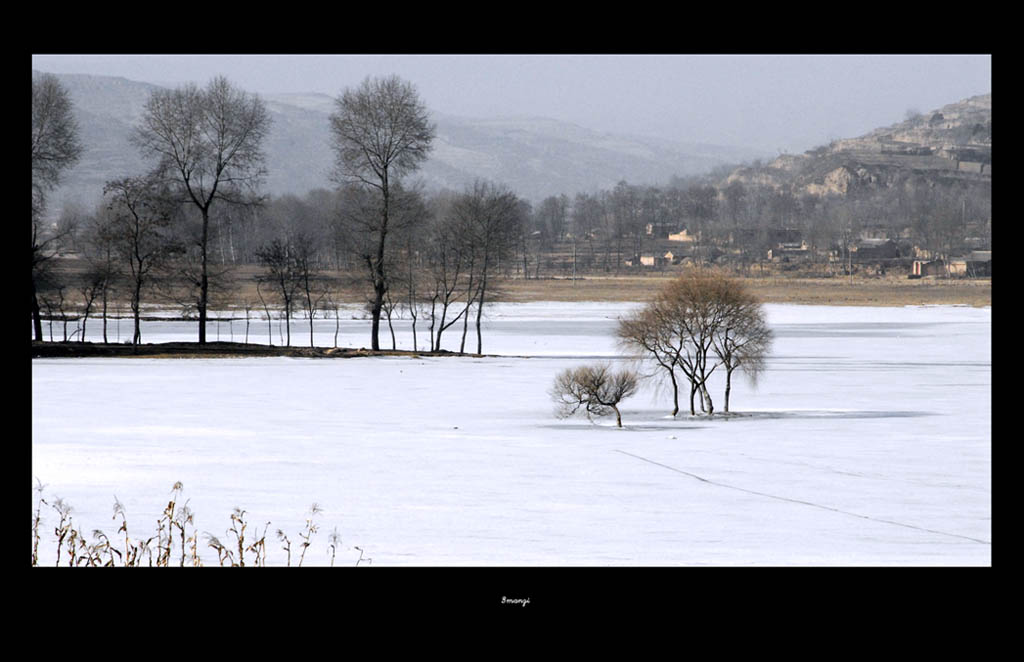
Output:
x,y
55,142
488,216
701,206
646,330
97,246
266,307
624,202
742,339
279,260
552,221
209,142
596,389
380,132
666,333
55,148
413,277
691,311
303,248
447,257
700,316
55,299
140,213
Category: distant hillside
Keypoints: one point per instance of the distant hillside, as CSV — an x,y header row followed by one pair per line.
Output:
x,y
536,157
953,143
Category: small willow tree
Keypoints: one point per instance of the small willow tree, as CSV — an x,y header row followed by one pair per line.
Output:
x,y
742,339
597,390
699,322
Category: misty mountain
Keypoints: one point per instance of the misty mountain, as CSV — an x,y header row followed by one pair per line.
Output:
x,y
536,157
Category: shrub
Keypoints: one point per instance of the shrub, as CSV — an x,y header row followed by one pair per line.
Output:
x,y
597,390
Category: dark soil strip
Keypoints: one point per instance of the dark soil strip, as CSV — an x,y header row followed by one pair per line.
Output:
x,y
207,350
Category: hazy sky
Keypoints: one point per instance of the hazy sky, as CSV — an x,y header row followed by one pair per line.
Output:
x,y
771,102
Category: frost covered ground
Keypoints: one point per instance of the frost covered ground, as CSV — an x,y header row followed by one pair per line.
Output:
x,y
867,442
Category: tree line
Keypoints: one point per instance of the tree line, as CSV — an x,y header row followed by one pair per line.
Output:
x,y
178,231
169,231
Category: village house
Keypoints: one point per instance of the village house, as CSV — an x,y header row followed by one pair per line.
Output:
x,y
972,265
649,260
789,252
976,264
659,230
683,235
924,267
867,250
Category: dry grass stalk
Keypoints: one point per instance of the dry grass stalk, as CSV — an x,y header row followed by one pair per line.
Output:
x,y
238,529
334,541
64,526
310,529
287,547
260,547
74,547
36,521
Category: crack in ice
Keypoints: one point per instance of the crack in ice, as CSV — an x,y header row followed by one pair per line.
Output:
x,y
806,503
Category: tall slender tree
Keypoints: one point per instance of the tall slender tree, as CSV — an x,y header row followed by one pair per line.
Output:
x,y
380,131
209,142
278,257
488,216
140,212
55,148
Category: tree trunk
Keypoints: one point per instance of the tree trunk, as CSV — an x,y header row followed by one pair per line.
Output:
x,y
104,315
266,309
288,323
440,328
706,398
465,327
433,306
470,296
204,281
728,387
618,416
337,325
675,393
310,303
37,320
379,285
136,313
391,329
480,310
415,345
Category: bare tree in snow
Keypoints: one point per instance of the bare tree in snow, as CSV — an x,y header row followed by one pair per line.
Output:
x,y
380,132
209,142
597,390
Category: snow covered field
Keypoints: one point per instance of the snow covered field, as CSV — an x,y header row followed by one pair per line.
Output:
x,y
867,442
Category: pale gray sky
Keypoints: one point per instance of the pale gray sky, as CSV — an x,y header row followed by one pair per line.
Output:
x,y
770,102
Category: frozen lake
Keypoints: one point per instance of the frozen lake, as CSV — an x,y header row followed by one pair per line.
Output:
x,y
866,442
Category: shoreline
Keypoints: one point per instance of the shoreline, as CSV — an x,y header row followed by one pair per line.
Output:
x,y
836,291
214,350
